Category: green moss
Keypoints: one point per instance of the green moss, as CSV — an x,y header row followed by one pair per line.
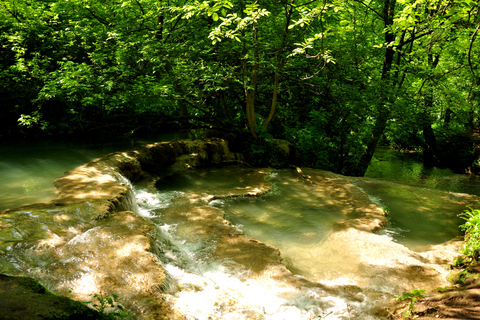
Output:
x,y
25,298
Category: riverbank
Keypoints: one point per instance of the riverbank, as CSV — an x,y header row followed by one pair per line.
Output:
x,y
455,302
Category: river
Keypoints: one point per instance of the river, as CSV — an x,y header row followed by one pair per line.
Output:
x,y
338,270
348,273
28,169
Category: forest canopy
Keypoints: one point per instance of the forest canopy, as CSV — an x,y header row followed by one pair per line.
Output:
x,y
336,78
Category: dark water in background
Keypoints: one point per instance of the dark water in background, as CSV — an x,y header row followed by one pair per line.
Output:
x,y
421,212
27,170
406,169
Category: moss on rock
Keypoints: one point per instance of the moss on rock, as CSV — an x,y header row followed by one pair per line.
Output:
x,y
25,298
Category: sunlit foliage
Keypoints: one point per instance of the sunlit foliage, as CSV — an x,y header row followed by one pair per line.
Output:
x,y
335,77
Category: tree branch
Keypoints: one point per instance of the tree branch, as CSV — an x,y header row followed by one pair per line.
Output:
x,y
370,8
438,76
99,19
472,40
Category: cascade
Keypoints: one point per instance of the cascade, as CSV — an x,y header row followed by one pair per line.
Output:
x,y
225,243
336,271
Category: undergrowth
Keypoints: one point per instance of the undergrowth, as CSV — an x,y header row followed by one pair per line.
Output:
x,y
411,297
471,227
109,307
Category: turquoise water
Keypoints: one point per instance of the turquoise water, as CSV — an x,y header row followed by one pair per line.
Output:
x,y
27,170
388,164
304,221
424,203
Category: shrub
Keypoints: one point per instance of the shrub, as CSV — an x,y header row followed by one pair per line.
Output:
x,y
471,228
412,298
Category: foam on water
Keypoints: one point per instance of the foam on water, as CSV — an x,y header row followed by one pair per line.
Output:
x,y
218,294
207,289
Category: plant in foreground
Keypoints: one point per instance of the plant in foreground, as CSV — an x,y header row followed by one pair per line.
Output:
x,y
412,298
101,302
386,211
471,228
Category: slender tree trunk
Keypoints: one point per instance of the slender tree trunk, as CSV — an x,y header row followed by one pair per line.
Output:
x,y
252,122
378,129
448,117
430,152
161,20
251,90
430,158
279,63
388,82
183,108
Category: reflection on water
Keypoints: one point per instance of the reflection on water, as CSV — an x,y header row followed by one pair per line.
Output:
x,y
341,272
419,216
28,170
28,178
407,169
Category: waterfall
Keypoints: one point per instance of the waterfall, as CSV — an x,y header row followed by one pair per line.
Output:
x,y
201,287
129,201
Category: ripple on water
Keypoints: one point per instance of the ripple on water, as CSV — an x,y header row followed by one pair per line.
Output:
x,y
342,272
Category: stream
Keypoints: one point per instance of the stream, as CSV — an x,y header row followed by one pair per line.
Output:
x,y
28,169
332,265
339,272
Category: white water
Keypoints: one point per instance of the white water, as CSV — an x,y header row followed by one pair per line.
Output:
x,y
203,288
340,274
207,289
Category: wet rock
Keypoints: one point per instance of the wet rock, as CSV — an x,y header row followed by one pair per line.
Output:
x,y
89,240
23,298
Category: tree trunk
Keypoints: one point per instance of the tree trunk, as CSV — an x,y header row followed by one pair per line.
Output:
x,y
279,65
430,151
385,98
378,129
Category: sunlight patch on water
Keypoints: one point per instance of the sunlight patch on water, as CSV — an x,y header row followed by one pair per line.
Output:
x,y
205,288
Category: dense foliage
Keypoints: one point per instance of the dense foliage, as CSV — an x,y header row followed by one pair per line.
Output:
x,y
471,227
334,77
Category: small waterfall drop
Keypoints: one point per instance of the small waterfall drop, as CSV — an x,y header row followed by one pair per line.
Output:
x,y
335,270
202,287
203,284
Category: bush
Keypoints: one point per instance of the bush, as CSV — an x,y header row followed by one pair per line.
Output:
x,y
471,228
412,298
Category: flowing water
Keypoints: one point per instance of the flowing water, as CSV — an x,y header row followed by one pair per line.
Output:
x,y
216,285
27,170
332,266
338,272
